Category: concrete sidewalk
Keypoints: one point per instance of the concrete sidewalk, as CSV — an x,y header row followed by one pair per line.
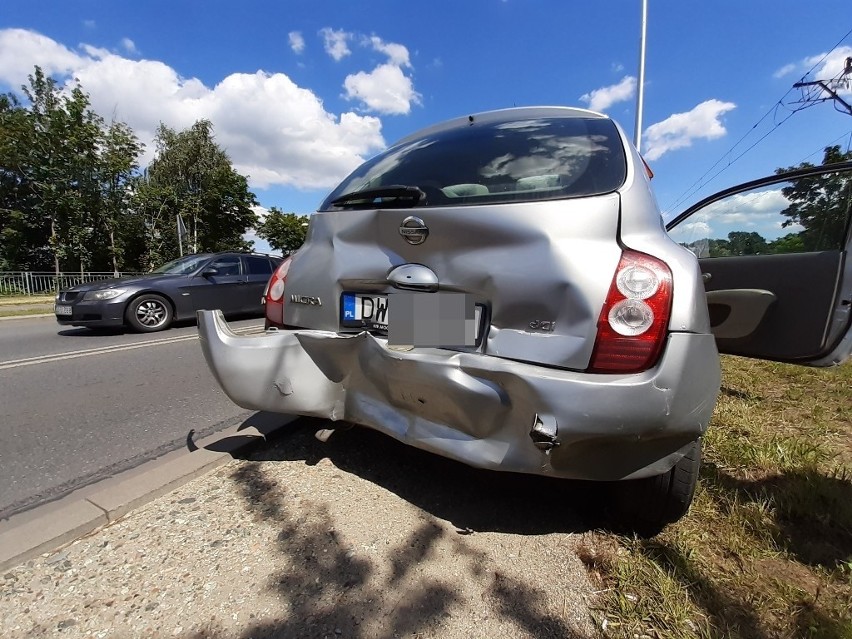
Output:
x,y
357,537
47,527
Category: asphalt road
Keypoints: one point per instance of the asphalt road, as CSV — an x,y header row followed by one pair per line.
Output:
x,y
77,406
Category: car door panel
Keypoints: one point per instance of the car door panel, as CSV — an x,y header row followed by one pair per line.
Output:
x,y
772,306
785,296
736,313
222,289
258,270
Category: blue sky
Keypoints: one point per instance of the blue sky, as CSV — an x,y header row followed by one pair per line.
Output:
x,y
300,92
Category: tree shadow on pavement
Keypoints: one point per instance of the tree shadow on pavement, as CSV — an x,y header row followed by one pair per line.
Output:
x,y
469,498
327,588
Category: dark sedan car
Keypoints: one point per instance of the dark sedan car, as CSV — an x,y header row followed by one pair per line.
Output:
x,y
230,282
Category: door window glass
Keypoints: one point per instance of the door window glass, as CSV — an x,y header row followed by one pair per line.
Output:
x,y
227,265
258,265
801,215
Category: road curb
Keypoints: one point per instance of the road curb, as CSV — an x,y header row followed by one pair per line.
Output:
x,y
46,528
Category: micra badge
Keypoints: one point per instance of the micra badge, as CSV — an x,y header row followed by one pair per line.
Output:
x,y
306,299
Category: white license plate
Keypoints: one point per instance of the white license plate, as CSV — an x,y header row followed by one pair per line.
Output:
x,y
62,310
423,323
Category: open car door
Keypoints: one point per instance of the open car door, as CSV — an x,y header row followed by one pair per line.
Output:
x,y
775,258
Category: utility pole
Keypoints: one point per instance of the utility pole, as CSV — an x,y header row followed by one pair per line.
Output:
x,y
640,92
813,92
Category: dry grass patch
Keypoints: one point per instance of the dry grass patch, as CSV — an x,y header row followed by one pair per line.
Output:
x,y
766,550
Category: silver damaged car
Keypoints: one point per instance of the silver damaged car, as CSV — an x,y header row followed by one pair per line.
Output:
x,y
500,289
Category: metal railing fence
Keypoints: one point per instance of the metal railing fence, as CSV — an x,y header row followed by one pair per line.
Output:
x,y
47,283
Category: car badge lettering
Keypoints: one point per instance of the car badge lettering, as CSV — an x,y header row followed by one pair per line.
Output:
x,y
414,230
306,299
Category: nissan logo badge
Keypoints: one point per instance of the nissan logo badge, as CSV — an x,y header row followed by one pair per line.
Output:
x,y
414,230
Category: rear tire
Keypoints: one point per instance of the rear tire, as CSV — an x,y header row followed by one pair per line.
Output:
x,y
149,313
646,506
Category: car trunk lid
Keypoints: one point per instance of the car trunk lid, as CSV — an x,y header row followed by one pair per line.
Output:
x,y
540,270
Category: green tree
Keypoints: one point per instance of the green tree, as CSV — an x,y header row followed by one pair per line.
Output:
x,y
117,166
745,243
719,248
22,241
63,139
71,195
193,177
820,204
78,232
285,232
48,189
790,243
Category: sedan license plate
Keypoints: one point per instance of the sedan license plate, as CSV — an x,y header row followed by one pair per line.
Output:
x,y
421,319
62,310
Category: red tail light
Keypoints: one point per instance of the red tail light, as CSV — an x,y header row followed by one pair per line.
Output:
x,y
274,295
633,321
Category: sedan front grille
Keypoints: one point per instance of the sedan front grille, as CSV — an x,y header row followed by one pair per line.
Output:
x,y
68,296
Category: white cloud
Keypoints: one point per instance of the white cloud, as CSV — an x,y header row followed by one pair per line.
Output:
x,y
21,50
89,24
603,98
274,131
128,45
260,211
680,129
335,43
308,146
397,53
385,89
297,42
694,229
787,69
758,211
829,68
747,205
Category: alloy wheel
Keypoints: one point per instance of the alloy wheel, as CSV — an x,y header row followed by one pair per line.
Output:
x,y
151,314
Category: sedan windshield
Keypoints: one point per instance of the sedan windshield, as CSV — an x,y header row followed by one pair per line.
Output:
x,y
183,265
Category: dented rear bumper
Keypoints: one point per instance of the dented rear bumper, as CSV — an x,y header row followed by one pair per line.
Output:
x,y
475,408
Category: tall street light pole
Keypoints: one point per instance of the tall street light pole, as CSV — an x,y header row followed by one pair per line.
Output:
x,y
640,93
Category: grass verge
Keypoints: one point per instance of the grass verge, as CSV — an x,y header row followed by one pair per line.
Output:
x,y
20,300
16,305
766,550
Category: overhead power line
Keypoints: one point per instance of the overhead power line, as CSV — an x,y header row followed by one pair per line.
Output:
x,y
774,110
817,91
846,136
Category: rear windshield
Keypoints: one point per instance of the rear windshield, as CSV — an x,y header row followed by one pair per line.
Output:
x,y
493,162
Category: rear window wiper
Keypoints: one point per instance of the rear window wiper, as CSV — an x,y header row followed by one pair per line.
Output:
x,y
392,196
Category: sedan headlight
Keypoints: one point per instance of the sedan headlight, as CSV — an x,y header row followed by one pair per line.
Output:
x,y
105,294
